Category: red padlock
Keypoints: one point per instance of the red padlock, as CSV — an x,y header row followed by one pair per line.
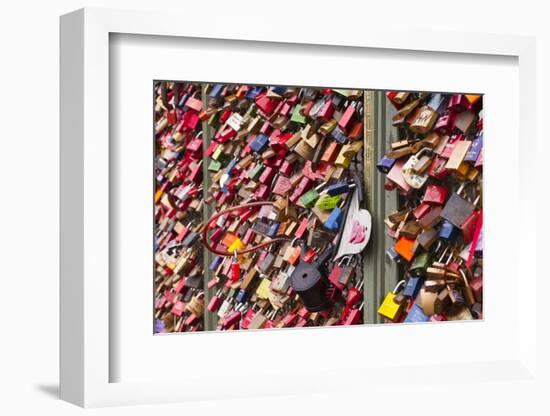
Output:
x,y
266,104
334,276
248,317
421,210
435,195
469,226
353,297
437,168
232,319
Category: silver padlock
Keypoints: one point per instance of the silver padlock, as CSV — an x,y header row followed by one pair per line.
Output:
x,y
413,179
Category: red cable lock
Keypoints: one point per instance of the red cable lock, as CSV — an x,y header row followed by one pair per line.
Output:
x,y
248,250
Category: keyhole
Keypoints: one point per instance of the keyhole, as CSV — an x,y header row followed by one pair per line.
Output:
x,y
304,275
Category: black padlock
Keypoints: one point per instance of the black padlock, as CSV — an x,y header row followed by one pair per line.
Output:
x,y
309,280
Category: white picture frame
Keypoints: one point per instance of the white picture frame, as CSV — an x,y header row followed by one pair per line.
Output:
x,y
85,220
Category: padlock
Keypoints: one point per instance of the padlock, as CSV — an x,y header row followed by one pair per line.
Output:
x,y
469,226
465,121
435,195
353,316
334,220
423,120
309,198
390,309
405,248
385,164
235,266
410,229
327,202
242,296
420,264
215,302
413,286
427,238
392,255
416,314
458,154
338,188
448,232
457,209
348,271
334,275
309,280
412,178
354,294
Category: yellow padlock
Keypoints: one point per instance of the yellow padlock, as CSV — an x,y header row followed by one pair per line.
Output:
x,y
263,290
236,246
158,195
391,309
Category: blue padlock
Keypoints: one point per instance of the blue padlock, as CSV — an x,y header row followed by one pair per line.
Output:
x,y
231,165
259,144
183,100
334,219
279,90
438,102
475,149
394,256
385,164
416,314
253,93
216,91
242,296
413,286
338,188
339,135
273,230
216,263
448,232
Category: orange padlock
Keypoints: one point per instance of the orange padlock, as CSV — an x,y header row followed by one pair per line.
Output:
x,y
405,248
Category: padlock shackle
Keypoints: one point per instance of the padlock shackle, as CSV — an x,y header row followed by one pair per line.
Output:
x,y
397,286
422,150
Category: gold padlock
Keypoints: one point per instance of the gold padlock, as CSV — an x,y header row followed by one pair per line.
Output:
x,y
304,150
343,159
196,305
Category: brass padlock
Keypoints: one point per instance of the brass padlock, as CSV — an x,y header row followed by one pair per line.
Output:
x,y
304,150
424,120
344,157
196,305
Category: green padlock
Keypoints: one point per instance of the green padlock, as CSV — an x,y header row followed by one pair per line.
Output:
x,y
297,116
308,199
420,264
214,166
256,172
328,202
217,155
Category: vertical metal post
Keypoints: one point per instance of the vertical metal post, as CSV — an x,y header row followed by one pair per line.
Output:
x,y
210,319
380,275
369,266
389,270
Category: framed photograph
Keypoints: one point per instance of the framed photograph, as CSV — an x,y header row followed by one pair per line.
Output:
x,y
321,210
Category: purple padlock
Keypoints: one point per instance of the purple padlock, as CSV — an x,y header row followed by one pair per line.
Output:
x,y
385,164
